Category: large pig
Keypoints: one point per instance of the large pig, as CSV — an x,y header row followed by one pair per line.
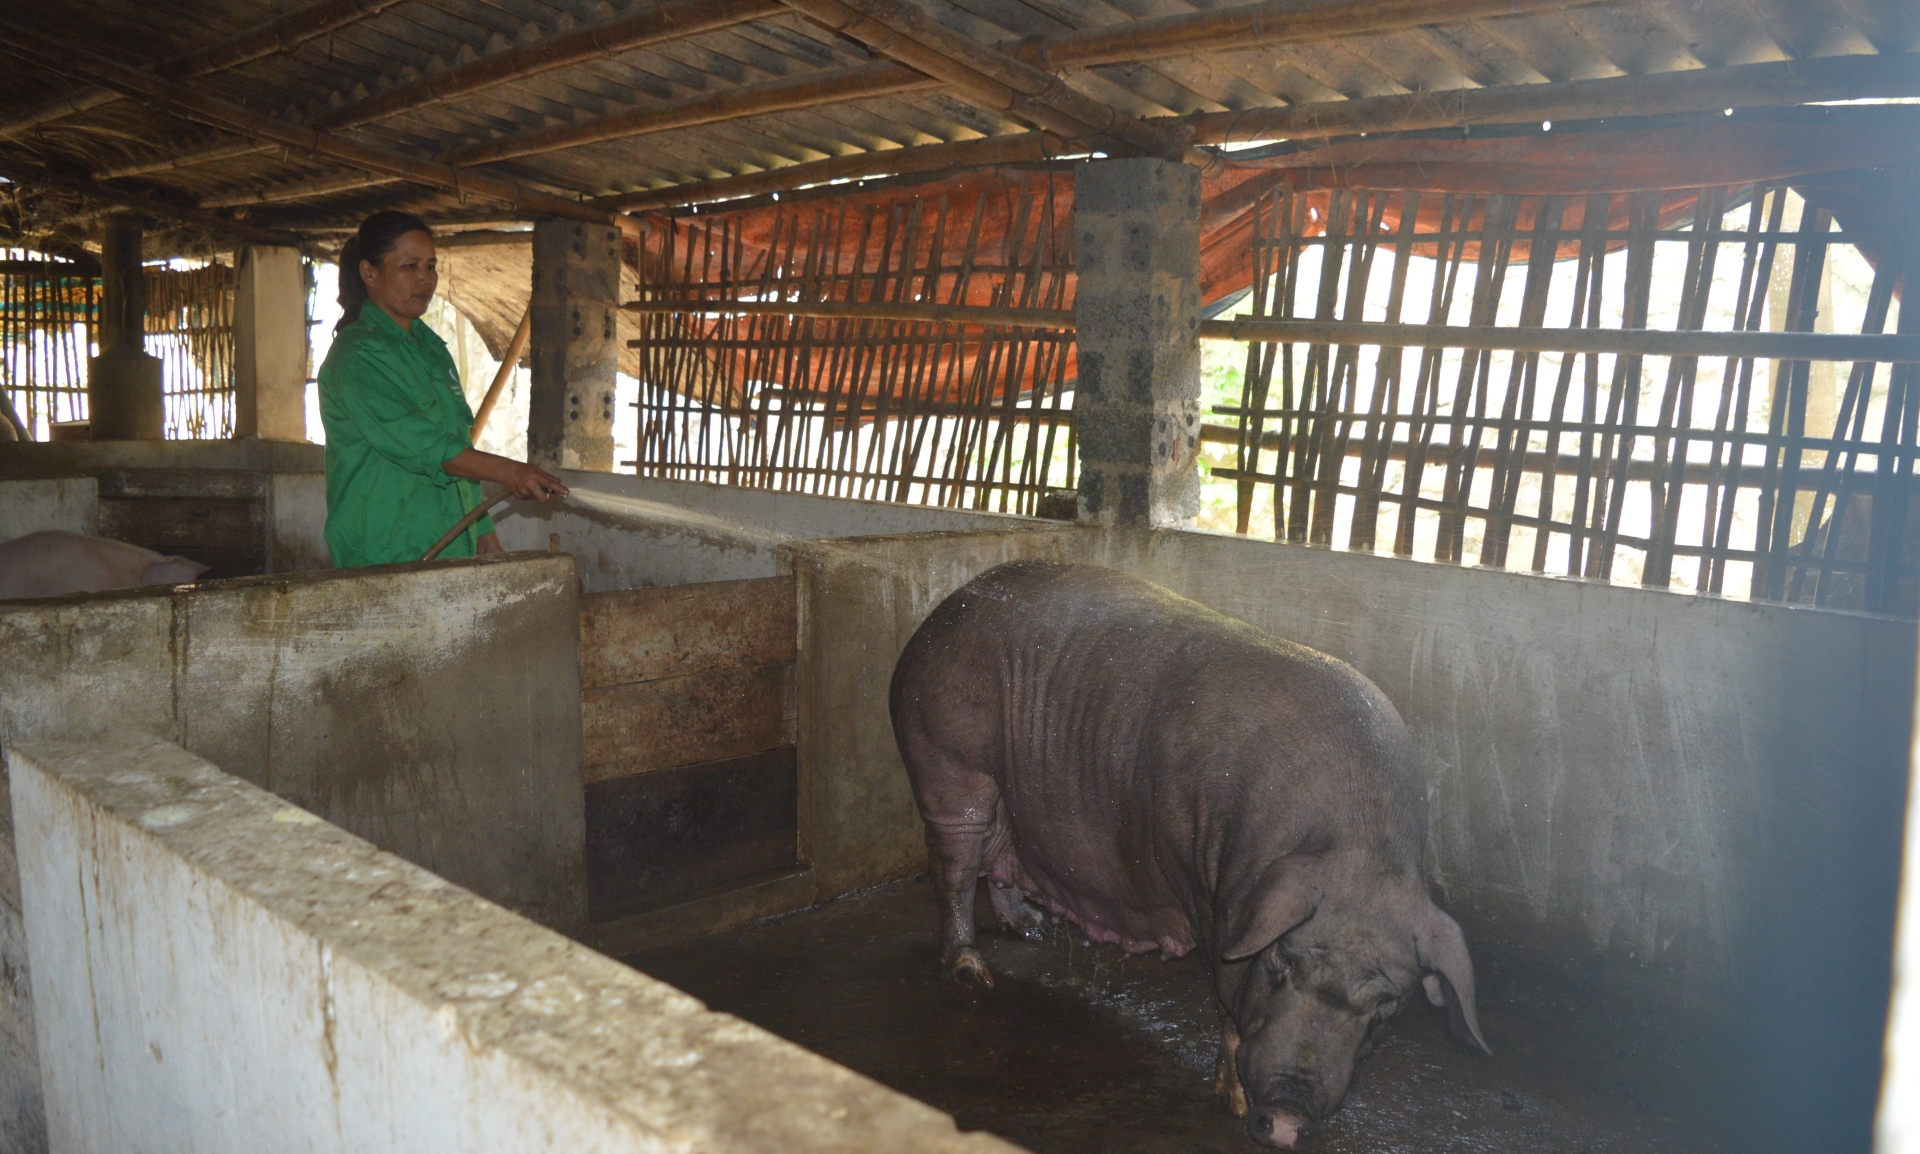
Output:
x,y
53,563
1164,777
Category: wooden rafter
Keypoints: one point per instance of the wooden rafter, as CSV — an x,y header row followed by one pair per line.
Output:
x,y
990,78
279,35
652,26
159,209
1252,25
188,101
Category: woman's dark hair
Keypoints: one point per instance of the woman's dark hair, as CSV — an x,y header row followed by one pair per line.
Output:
x,y
376,238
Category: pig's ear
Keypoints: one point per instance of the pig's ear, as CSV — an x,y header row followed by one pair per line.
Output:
x,y
1442,951
1284,897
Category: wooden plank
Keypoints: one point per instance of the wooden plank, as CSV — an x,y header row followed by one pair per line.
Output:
x,y
675,721
633,635
658,837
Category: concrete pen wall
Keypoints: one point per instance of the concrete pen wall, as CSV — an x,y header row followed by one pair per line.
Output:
x,y
432,709
221,973
1706,792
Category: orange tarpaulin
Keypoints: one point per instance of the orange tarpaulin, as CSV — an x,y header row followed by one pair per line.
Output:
x,y
1004,236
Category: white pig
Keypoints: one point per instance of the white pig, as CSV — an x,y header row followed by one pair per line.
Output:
x,y
53,563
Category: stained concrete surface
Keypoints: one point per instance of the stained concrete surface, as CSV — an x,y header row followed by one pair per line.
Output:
x,y
1084,1050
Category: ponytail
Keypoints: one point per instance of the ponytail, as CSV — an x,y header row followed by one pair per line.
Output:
x,y
376,238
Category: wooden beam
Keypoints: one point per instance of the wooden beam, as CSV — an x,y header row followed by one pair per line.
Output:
x,y
1770,85
160,209
878,311
220,113
208,154
281,35
1901,348
983,153
651,26
992,79
1264,25
810,90
304,190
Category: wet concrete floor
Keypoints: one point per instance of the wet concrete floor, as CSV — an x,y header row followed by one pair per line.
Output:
x,y
1081,1049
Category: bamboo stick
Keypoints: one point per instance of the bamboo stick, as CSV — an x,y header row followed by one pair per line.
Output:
x,y
508,362
1787,346
1061,319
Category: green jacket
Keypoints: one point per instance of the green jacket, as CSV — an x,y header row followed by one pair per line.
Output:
x,y
394,413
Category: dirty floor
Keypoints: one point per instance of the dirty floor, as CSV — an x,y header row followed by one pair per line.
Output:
x,y
1085,1050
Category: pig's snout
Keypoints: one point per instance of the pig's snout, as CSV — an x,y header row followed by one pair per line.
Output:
x,y
1278,1128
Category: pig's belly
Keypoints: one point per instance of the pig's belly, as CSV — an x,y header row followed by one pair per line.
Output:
x,y
1108,906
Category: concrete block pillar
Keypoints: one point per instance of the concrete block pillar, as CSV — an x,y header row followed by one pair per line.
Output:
x,y
1136,237
574,344
270,344
123,382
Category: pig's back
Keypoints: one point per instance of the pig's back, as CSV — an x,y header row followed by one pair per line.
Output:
x,y
1131,733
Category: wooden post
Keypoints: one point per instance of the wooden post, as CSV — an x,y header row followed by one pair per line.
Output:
x,y
123,382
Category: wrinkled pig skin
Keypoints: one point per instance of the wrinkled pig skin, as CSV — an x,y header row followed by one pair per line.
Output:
x,y
54,563
1111,754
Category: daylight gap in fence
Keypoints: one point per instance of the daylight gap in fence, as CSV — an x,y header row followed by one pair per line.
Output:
x,y
1782,480
950,413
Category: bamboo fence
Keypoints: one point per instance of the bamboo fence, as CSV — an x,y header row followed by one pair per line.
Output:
x,y
190,328
1714,472
953,408
48,317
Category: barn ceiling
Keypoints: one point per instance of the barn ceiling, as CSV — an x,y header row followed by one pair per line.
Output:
x,y
256,118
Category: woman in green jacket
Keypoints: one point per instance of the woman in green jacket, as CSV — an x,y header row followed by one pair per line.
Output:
x,y
401,466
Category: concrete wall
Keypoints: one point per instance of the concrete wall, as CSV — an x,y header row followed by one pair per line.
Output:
x,y
1707,793
270,344
294,514
220,971
632,532
296,517
432,709
68,503
23,459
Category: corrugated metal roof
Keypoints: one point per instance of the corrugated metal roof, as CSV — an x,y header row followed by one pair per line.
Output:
x,y
417,38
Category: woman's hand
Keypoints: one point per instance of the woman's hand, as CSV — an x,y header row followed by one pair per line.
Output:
x,y
489,544
520,478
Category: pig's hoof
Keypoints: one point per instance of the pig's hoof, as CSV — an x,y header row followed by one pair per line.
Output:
x,y
970,969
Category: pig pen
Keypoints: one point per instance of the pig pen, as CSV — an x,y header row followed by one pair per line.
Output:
x,y
1635,795
1670,825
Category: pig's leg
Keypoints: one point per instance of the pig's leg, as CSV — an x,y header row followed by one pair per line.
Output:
x,y
1226,1082
955,851
1020,918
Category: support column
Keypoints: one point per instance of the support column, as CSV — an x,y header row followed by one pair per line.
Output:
x,y
574,345
1136,236
123,382
270,344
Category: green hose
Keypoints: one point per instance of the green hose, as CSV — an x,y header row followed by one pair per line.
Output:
x,y
462,524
